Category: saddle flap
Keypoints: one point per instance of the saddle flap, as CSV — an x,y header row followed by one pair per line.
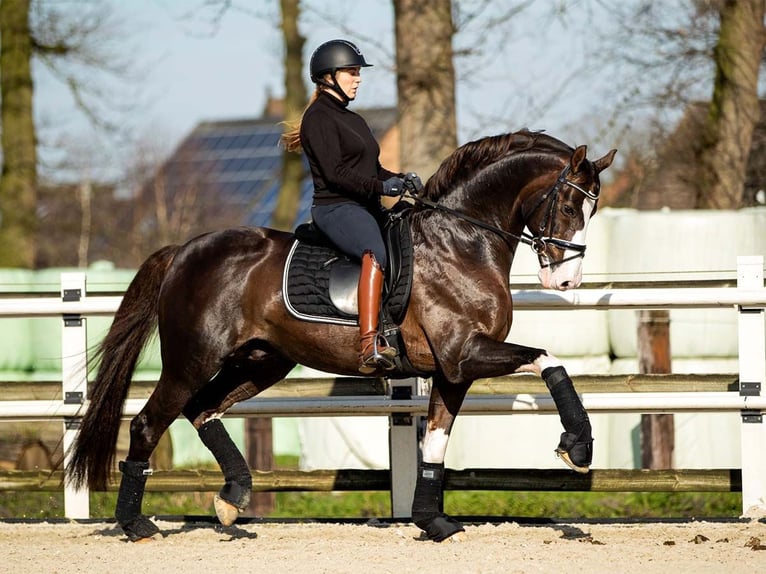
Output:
x,y
344,281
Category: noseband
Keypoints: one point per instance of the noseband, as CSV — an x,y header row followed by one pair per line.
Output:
x,y
538,243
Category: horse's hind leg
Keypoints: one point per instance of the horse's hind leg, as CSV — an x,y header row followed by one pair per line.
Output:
x,y
234,496
204,412
146,429
428,503
230,386
135,525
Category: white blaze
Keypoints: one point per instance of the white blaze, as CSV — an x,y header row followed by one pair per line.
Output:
x,y
568,275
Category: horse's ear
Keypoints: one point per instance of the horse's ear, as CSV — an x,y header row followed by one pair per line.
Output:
x,y
602,163
577,158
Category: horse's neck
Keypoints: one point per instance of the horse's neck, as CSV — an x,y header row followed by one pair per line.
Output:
x,y
447,234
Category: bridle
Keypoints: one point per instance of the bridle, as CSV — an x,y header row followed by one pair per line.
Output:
x,y
538,243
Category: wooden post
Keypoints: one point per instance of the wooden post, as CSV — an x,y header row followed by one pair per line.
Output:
x,y
260,456
657,431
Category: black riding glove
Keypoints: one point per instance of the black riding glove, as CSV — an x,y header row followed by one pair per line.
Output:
x,y
393,186
412,183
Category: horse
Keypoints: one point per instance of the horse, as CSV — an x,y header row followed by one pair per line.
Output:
x,y
225,334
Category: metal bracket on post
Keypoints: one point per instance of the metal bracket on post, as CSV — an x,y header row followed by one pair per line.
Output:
x,y
403,451
752,374
751,416
750,390
401,393
74,381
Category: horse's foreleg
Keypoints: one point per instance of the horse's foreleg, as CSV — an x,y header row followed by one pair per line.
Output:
x,y
576,444
483,357
428,503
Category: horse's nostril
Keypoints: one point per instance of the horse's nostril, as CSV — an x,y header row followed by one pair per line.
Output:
x,y
566,285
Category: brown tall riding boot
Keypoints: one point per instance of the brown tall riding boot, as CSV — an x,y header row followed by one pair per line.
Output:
x,y
375,353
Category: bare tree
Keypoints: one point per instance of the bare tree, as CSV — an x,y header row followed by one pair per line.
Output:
x,y
703,59
724,147
70,47
18,182
293,172
425,82
425,68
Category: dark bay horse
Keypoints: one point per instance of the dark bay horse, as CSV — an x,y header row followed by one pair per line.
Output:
x,y
226,335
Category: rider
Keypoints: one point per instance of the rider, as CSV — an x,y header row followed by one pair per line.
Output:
x,y
348,182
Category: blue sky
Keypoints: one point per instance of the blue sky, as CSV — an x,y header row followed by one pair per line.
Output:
x,y
185,71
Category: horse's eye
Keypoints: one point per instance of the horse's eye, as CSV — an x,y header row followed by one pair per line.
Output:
x,y
568,210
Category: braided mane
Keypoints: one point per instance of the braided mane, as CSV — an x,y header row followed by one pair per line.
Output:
x,y
471,158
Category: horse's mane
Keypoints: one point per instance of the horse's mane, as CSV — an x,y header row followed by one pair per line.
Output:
x,y
469,159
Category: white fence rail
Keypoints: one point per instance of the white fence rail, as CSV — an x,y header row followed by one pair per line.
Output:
x,y
749,298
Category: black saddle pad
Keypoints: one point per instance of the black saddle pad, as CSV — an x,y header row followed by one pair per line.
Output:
x,y
319,282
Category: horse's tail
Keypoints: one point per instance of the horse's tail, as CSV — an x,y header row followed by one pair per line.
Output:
x,y
92,453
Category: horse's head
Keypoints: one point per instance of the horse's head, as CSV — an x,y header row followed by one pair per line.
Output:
x,y
553,191
558,217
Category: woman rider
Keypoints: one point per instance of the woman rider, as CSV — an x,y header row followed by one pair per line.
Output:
x,y
348,182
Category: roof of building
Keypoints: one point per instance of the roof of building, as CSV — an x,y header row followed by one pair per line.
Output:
x,y
238,162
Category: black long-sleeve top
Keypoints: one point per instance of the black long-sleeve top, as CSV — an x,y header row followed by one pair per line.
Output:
x,y
342,153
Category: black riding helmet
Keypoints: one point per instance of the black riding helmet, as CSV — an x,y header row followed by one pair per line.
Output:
x,y
331,56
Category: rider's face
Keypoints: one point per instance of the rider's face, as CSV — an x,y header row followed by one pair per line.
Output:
x,y
348,80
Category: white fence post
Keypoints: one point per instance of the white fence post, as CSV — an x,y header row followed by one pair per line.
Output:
x,y
403,450
752,375
74,381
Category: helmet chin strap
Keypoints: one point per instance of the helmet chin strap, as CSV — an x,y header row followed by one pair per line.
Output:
x,y
335,87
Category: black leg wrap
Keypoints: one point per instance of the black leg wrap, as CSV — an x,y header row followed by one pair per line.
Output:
x,y
239,482
427,505
128,512
576,442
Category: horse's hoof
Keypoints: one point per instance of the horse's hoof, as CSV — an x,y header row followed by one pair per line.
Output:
x,y
578,455
440,527
140,529
145,540
563,455
226,512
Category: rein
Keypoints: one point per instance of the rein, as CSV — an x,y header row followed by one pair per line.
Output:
x,y
538,243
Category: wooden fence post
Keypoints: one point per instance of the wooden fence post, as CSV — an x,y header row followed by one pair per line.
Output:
x,y
260,456
657,431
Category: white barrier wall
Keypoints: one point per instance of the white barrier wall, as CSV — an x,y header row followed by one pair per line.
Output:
x,y
622,245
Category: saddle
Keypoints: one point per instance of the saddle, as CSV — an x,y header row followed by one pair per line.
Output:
x,y
319,283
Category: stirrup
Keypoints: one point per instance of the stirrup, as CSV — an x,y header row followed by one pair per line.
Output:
x,y
379,358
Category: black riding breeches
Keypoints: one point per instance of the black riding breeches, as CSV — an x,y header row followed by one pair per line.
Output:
x,y
352,228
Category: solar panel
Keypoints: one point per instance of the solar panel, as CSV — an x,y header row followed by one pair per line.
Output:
x,y
237,163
